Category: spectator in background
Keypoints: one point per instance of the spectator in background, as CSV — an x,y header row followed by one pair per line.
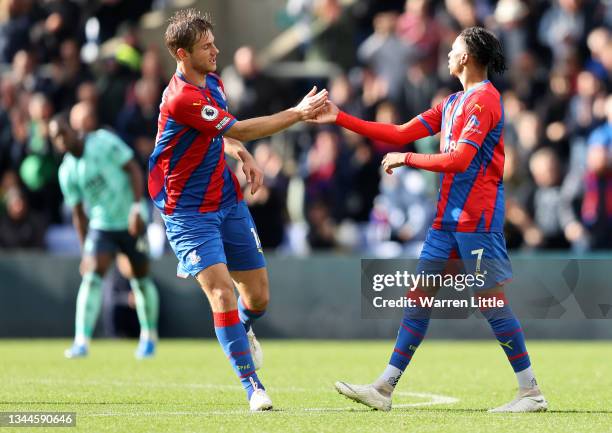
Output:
x,y
137,121
268,206
589,193
545,202
250,92
68,72
386,55
20,227
15,29
419,30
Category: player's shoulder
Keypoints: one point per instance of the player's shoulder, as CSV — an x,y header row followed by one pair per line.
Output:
x,y
484,97
67,166
181,94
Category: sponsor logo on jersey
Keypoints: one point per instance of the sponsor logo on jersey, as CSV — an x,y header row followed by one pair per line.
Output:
x,y
209,113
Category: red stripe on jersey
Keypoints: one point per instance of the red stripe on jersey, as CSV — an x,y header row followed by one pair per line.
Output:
x,y
481,199
237,189
212,198
447,182
160,170
181,173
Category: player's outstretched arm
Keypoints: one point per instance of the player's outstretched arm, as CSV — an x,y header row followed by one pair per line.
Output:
x,y
254,174
456,161
389,133
258,127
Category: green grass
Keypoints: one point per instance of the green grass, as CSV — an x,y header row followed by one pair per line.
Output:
x,y
189,387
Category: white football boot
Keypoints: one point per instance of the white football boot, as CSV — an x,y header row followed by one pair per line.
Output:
x,y
256,350
260,401
365,394
527,400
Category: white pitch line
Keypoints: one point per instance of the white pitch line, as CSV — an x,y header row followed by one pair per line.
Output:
x,y
434,399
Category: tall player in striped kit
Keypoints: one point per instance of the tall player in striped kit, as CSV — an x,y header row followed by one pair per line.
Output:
x,y
207,223
470,213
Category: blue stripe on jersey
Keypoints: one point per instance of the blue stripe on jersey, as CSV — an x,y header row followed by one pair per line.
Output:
x,y
195,188
463,182
170,130
424,122
213,86
497,222
181,147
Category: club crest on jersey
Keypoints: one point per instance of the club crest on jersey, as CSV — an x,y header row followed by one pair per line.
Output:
x,y
209,113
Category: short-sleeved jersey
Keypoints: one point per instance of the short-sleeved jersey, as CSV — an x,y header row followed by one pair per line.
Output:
x,y
98,181
187,169
472,201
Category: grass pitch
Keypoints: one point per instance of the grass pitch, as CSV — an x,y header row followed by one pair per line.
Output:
x,y
190,387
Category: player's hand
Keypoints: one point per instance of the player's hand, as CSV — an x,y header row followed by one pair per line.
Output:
x,y
254,174
136,225
393,160
312,103
327,114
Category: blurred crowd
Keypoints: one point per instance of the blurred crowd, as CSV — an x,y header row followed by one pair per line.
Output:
x,y
323,186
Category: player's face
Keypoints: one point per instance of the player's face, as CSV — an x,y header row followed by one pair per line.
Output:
x,y
457,57
62,137
203,56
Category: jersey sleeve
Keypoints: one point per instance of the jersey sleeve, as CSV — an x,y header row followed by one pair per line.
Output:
x,y
432,118
70,189
190,109
116,149
479,116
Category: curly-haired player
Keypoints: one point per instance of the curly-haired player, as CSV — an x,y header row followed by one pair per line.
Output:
x,y
470,213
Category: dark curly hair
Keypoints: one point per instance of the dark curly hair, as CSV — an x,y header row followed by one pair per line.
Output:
x,y
485,47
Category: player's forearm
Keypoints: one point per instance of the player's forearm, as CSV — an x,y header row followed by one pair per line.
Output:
x,y
80,223
456,161
236,149
259,127
389,133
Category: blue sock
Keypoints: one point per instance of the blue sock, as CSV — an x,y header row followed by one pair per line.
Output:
x,y
411,332
233,339
247,317
508,332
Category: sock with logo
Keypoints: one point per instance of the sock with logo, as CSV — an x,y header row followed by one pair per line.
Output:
x,y
511,338
147,306
89,301
233,339
410,334
248,316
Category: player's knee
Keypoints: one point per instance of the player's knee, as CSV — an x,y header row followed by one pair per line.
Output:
x,y
260,301
221,297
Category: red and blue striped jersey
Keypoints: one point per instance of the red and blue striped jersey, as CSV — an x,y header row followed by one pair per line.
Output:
x,y
472,201
187,169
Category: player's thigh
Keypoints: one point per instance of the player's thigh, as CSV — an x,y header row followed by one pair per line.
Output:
x,y
217,284
484,256
240,240
99,250
133,261
254,287
438,250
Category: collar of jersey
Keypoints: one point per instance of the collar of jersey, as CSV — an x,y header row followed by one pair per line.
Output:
x,y
182,77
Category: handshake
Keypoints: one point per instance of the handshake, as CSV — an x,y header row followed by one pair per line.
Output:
x,y
316,108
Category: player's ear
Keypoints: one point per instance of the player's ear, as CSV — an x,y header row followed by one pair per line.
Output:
x,y
181,53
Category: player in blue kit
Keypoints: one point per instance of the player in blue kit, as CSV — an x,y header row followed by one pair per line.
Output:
x,y
207,222
469,218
